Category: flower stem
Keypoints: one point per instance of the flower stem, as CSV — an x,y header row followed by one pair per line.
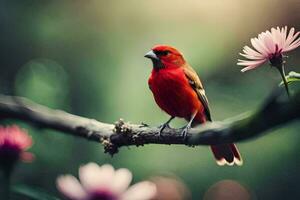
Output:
x,y
6,184
282,73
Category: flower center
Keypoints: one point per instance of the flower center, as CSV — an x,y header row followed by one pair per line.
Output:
x,y
9,153
103,195
275,58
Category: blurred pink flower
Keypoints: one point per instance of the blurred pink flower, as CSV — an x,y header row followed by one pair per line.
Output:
x,y
13,145
269,46
104,183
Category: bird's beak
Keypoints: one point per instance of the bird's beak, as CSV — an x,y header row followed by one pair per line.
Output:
x,y
151,55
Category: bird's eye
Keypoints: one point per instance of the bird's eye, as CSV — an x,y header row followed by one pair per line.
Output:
x,y
165,53
162,53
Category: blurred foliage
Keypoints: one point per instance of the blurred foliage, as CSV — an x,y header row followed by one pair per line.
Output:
x,y
87,57
291,78
32,193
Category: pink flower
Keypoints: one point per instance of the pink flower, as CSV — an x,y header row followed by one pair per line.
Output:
x,y
13,145
269,46
104,183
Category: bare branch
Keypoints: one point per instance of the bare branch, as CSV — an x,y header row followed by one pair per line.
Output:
x,y
275,112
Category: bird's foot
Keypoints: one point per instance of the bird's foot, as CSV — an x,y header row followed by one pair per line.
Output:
x,y
185,130
161,128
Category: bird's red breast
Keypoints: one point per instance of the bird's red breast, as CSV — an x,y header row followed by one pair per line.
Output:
x,y
173,93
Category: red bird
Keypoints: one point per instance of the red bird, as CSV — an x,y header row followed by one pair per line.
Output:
x,y
178,91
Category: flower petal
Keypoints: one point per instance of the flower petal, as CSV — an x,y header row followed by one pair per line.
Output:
x,y
141,191
290,36
247,69
284,35
262,38
121,180
27,157
281,38
257,44
250,64
277,37
293,46
250,51
94,177
70,187
19,136
269,42
250,56
291,39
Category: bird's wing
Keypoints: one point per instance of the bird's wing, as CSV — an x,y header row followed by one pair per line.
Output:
x,y
198,87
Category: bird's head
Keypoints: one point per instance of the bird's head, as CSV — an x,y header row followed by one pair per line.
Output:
x,y
164,56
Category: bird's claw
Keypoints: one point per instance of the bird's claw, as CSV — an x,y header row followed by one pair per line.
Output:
x,y
185,132
161,128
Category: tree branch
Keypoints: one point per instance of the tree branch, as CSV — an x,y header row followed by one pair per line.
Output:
x,y
276,111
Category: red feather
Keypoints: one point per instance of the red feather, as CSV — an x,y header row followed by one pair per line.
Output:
x,y
173,93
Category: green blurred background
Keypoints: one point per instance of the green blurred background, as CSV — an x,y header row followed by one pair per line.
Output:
x,y
86,57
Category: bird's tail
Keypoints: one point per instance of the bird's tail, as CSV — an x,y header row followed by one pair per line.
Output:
x,y
227,154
